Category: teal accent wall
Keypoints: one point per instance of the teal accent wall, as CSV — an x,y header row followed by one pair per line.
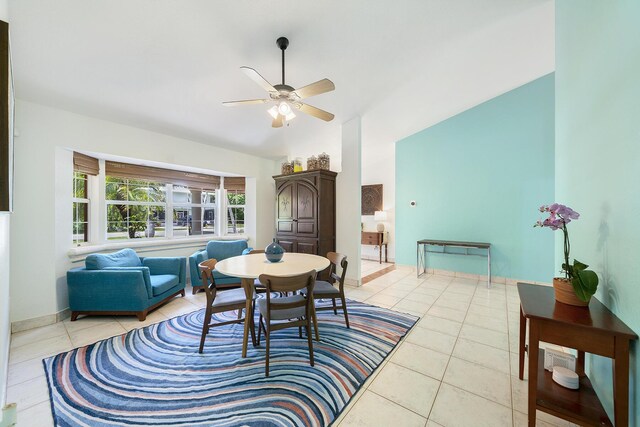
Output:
x,y
598,158
480,176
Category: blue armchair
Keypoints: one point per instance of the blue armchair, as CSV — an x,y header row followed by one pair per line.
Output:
x,y
122,283
218,249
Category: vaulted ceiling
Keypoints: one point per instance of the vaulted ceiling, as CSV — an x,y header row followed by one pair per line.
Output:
x,y
168,65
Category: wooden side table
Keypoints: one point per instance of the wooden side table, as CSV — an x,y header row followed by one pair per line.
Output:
x,y
376,238
594,330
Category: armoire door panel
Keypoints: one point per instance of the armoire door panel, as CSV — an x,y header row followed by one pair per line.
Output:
x,y
287,245
304,247
307,228
285,227
285,202
306,202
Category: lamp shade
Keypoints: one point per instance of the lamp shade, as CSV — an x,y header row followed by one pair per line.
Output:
x,y
380,215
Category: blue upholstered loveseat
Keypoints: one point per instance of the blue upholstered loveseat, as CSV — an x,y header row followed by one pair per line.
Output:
x,y
123,283
218,249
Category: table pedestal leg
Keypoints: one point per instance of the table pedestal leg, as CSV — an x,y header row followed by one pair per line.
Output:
x,y
247,284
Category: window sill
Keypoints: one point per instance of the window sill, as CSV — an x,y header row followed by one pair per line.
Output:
x,y
79,253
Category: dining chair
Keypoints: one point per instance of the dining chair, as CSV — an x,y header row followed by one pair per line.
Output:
x,y
288,311
219,302
326,290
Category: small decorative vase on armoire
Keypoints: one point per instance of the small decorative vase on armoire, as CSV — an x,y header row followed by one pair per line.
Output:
x,y
306,212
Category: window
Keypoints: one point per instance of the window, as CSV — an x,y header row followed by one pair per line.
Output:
x,y
135,208
83,167
194,211
80,208
144,202
235,211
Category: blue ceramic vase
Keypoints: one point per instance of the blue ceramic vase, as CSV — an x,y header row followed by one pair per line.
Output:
x,y
274,252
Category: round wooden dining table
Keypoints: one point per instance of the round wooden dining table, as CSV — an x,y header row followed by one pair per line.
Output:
x,y
250,267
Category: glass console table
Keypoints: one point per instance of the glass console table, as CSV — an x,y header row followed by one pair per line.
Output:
x,y
423,249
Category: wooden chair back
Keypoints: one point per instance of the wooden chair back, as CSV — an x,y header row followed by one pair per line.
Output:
x,y
208,281
288,284
337,259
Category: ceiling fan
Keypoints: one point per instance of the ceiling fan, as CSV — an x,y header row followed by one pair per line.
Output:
x,y
287,98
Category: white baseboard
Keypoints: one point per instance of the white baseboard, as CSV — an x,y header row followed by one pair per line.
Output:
x,y
9,415
36,322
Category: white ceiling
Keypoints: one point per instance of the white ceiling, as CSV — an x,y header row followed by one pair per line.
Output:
x,y
168,65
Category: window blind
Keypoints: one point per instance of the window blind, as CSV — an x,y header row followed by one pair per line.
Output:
x,y
234,183
168,176
85,164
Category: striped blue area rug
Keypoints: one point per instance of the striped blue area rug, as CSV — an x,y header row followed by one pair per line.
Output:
x,y
155,376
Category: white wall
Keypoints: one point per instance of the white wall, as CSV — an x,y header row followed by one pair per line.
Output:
x,y
348,199
41,226
5,330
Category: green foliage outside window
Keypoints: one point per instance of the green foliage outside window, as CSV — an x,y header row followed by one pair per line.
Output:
x,y
235,215
131,217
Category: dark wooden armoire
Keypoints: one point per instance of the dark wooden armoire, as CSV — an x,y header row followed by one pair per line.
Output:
x,y
306,212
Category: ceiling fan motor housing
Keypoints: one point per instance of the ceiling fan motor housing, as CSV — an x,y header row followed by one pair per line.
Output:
x,y
282,43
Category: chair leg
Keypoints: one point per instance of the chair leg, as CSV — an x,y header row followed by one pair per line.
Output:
x,y
310,341
259,328
194,290
267,334
344,310
182,293
142,315
239,314
74,316
205,328
315,321
335,310
299,331
252,330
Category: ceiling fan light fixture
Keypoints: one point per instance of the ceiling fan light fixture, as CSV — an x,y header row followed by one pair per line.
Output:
x,y
273,111
284,108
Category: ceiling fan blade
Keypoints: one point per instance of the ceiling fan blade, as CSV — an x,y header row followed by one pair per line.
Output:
x,y
321,86
313,111
256,77
277,122
245,102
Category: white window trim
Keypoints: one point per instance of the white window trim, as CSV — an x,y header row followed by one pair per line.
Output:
x,y
147,245
86,200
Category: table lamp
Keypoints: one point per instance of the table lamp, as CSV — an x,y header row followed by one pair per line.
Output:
x,y
380,217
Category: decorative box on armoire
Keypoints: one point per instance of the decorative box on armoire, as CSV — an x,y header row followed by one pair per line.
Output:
x,y
306,211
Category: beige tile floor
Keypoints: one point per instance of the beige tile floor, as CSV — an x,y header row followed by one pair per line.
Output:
x,y
367,266
457,367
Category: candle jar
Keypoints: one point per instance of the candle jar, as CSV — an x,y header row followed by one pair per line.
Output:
x,y
323,161
312,163
297,164
286,168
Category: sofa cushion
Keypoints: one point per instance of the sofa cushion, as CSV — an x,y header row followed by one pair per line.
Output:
x,y
161,283
223,249
123,258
